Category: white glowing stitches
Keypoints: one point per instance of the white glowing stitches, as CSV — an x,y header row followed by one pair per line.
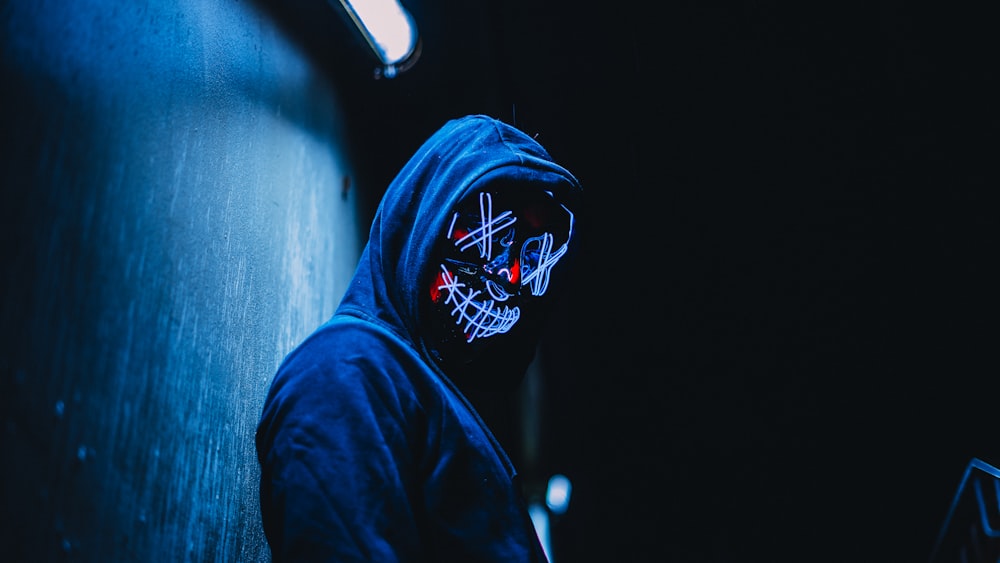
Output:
x,y
483,236
481,318
482,313
537,258
535,270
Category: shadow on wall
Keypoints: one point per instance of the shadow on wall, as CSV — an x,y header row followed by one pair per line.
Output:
x,y
175,219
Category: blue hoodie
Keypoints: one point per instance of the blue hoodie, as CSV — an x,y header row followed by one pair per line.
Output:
x,y
369,451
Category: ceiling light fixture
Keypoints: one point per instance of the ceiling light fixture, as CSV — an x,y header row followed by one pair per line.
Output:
x,y
389,30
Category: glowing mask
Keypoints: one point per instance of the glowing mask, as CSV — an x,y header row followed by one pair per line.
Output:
x,y
496,256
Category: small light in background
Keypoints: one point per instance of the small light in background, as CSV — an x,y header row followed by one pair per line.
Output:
x,y
557,494
389,30
540,519
557,501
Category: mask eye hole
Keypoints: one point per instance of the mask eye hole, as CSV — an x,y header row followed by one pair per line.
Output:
x,y
466,268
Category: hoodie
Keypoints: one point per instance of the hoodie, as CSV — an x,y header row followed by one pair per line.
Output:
x,y
369,449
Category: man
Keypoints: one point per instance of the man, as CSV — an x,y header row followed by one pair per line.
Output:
x,y
368,445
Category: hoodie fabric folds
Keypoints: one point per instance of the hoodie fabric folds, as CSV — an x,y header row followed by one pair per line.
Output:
x,y
368,450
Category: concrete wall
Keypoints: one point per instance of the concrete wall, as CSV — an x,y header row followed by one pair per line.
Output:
x,y
177,213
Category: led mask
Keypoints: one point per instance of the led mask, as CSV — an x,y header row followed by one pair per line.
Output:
x,y
494,264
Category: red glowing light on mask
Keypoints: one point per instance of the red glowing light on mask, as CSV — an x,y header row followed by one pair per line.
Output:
x,y
515,272
436,286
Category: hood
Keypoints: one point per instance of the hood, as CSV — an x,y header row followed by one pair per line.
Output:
x,y
465,155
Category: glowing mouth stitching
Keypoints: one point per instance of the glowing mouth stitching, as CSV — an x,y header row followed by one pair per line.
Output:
x,y
482,319
496,292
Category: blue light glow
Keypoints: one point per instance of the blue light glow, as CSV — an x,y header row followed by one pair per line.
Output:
x,y
388,28
557,495
540,519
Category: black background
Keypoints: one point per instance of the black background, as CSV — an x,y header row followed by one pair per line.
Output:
x,y
782,346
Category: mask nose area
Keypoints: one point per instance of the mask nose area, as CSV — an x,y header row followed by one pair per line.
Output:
x,y
504,270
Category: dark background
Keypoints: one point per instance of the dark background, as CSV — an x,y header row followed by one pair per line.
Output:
x,y
782,346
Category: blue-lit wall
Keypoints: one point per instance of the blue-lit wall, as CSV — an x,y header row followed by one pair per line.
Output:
x,y
177,213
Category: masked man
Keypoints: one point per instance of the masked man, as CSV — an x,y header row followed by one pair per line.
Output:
x,y
369,448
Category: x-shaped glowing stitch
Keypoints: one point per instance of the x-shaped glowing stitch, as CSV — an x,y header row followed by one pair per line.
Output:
x,y
483,236
539,278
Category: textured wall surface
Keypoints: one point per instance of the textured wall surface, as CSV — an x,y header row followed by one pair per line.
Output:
x,y
177,213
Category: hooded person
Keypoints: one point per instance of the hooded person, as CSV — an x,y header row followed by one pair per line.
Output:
x,y
369,448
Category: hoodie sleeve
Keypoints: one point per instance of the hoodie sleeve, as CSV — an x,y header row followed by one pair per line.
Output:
x,y
334,462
